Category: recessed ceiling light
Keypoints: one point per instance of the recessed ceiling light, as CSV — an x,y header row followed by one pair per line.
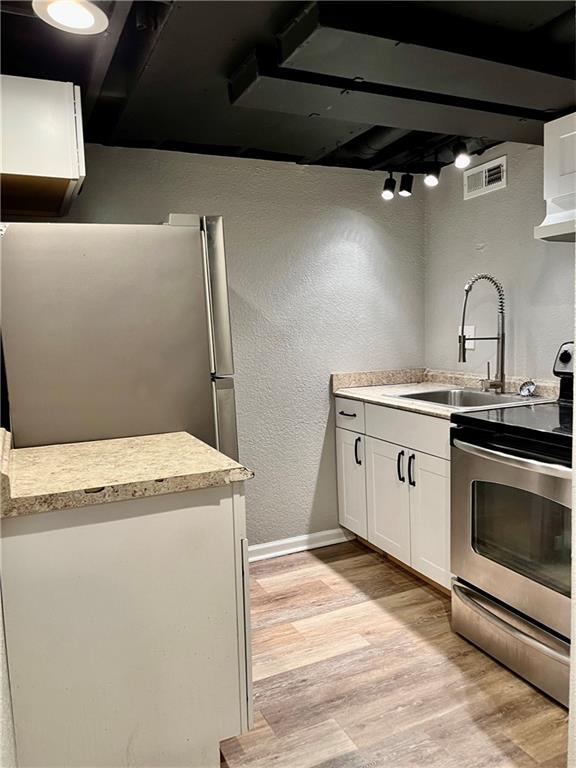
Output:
x,y
81,17
389,187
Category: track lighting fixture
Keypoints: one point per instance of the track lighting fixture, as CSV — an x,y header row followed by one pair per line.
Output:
x,y
432,177
461,157
389,187
406,182
81,17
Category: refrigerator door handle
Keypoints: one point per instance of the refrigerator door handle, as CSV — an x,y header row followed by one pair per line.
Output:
x,y
225,417
217,295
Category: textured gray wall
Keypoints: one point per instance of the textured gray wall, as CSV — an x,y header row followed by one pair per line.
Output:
x,y
494,233
326,277
323,277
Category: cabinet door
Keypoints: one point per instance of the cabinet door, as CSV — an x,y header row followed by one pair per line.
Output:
x,y
430,516
388,498
560,157
41,124
351,481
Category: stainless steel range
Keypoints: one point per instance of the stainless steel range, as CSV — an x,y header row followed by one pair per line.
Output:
x,y
511,508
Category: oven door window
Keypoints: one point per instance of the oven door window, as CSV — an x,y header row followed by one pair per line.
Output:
x,y
524,532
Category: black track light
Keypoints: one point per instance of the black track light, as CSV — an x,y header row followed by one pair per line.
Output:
x,y
432,177
406,182
461,157
389,187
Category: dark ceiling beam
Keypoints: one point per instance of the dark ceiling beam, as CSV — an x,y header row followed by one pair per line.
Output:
x,y
106,45
368,145
560,31
258,85
420,22
139,35
310,45
17,8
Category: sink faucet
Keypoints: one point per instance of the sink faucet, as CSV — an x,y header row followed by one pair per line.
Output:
x,y
499,382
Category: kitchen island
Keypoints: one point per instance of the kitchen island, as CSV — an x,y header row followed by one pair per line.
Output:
x,y
125,589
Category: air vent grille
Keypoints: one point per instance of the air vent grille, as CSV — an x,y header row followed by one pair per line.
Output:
x,y
485,178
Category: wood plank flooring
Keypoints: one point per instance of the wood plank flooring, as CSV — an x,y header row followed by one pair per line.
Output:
x,y
355,666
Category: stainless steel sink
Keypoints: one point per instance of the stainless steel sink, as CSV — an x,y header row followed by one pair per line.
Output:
x,y
466,398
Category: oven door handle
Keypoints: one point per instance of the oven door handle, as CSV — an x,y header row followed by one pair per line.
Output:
x,y
553,470
467,597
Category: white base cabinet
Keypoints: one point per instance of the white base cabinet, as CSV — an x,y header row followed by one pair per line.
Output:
x,y
408,507
394,495
388,499
430,518
350,459
127,630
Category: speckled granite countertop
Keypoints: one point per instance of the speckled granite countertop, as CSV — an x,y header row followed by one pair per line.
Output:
x,y
389,394
80,474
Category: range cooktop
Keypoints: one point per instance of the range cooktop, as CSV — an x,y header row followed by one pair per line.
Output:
x,y
549,422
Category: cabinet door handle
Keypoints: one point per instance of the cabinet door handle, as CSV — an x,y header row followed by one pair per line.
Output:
x,y
399,469
411,460
350,415
356,444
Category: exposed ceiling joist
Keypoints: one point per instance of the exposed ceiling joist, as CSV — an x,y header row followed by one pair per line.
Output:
x,y
261,86
103,54
309,45
532,34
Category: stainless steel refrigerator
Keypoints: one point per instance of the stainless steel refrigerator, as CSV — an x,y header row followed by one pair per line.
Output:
x,y
114,330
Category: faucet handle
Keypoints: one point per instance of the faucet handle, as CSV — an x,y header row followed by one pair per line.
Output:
x,y
486,383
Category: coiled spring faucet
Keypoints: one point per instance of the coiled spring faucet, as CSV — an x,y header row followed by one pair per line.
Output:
x,y
499,382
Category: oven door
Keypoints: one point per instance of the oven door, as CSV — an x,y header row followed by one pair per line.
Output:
x,y
511,530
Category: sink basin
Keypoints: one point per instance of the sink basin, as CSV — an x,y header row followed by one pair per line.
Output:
x,y
466,398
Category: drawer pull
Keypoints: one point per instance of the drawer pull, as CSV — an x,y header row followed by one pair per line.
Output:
x,y
356,444
399,469
350,415
411,460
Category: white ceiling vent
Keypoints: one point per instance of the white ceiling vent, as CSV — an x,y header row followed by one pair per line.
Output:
x,y
485,178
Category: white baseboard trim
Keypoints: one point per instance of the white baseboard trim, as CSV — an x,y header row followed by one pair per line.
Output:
x,y
298,544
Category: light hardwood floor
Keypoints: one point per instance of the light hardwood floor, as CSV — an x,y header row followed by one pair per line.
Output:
x,y
355,666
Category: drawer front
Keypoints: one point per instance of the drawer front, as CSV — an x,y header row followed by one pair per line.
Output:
x,y
414,430
349,414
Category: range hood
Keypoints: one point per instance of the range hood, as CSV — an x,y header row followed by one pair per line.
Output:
x,y
559,224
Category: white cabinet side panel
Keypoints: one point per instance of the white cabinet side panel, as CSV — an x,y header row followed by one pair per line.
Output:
x,y
121,623
243,609
39,135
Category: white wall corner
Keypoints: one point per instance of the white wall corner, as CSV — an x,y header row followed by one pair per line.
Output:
x,y
298,544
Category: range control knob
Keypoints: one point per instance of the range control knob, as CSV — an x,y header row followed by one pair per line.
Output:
x,y
565,356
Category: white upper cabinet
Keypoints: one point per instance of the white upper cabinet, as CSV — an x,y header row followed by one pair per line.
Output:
x,y
559,181
42,164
